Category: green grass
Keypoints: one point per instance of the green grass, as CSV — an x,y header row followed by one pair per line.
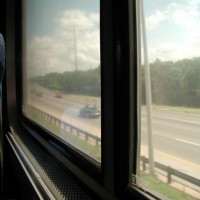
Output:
x,y
165,189
81,144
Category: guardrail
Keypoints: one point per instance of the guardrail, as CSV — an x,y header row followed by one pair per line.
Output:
x,y
170,172
144,161
69,127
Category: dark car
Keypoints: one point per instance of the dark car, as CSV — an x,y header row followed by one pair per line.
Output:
x,y
39,94
58,95
32,91
90,111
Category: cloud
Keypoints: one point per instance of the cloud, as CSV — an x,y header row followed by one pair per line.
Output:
x,y
174,31
155,19
169,51
186,16
76,30
74,18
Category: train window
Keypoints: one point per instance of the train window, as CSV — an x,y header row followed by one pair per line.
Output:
x,y
61,70
169,163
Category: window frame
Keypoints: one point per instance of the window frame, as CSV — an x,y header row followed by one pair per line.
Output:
x,y
127,160
118,44
46,137
67,155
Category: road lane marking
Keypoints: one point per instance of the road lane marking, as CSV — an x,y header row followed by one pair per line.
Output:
x,y
178,139
187,142
175,119
182,120
173,157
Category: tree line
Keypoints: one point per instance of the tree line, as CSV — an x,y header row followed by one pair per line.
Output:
x,y
73,82
172,83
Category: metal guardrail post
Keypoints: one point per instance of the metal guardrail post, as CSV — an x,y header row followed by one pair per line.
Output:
x,y
143,163
86,137
169,172
96,141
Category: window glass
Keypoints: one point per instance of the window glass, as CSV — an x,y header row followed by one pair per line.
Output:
x,y
61,70
170,98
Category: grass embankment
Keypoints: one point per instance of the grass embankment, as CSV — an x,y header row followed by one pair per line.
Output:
x,y
164,189
81,144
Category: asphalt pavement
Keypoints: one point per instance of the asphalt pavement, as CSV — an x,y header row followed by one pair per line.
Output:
x,y
176,136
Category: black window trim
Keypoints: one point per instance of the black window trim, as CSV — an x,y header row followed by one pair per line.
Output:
x,y
117,163
47,138
21,123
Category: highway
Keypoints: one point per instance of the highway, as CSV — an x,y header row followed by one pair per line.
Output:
x,y
176,136
174,133
67,108
176,139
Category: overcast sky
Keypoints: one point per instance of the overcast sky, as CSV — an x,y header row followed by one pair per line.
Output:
x,y
173,29
173,32
55,28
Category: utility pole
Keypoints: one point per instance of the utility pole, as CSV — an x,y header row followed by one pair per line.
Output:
x,y
148,90
75,53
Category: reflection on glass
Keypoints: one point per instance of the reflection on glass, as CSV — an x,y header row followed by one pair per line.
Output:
x,y
170,84
61,69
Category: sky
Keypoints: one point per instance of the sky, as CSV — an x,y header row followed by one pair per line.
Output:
x,y
56,28
173,29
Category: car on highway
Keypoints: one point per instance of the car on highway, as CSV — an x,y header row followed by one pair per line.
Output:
x,y
90,111
58,95
33,91
39,94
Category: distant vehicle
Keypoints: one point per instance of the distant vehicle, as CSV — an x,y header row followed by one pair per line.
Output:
x,y
90,111
32,91
58,95
39,94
